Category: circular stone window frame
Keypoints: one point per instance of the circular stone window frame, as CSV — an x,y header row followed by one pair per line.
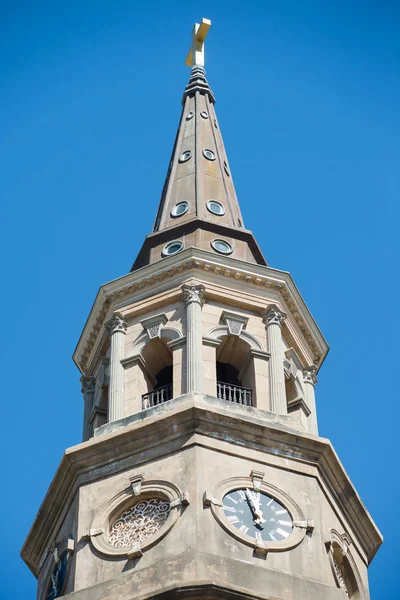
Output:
x,y
176,215
204,114
138,490
227,253
185,156
209,157
190,115
300,526
220,214
164,251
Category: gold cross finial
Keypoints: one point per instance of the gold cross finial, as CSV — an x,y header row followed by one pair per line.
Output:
x,y
196,52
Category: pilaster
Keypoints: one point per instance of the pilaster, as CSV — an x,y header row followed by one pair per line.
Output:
x,y
88,388
273,319
310,379
116,327
193,297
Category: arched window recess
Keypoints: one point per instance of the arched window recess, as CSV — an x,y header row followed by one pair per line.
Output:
x,y
236,355
153,361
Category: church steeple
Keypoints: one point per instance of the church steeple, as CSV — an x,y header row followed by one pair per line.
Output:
x,y
201,473
199,199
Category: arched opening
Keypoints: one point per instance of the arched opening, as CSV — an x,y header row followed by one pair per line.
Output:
x,y
157,357
234,373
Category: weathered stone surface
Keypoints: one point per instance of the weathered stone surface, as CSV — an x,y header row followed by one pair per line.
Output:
x,y
195,442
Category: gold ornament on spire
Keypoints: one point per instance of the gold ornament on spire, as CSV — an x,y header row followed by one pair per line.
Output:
x,y
196,52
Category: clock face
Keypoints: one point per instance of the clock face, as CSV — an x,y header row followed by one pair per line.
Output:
x,y
140,521
258,515
58,577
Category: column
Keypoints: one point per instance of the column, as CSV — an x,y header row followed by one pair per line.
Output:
x,y
193,297
310,379
273,320
88,387
117,329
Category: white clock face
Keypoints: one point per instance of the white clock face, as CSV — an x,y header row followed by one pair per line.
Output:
x,y
258,515
139,522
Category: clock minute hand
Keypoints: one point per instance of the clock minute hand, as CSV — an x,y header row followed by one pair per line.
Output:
x,y
255,507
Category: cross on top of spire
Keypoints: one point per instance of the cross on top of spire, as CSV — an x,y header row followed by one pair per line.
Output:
x,y
195,56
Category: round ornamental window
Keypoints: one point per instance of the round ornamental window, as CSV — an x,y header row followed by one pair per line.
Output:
x,y
215,123
180,209
208,154
190,115
226,168
172,248
185,156
221,246
139,522
204,114
215,207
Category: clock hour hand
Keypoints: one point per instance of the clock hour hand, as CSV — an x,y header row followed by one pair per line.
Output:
x,y
255,507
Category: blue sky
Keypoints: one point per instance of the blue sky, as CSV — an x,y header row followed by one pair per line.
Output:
x,y
308,103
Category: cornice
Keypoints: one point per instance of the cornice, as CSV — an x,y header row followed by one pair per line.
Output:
x,y
212,419
158,277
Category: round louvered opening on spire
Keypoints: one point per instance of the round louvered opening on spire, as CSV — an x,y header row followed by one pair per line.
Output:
x,y
172,248
208,154
221,246
185,156
180,209
190,115
216,208
204,114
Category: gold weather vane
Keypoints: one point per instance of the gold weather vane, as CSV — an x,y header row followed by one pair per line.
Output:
x,y
196,52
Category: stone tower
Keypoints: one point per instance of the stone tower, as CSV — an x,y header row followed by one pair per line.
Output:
x,y
201,473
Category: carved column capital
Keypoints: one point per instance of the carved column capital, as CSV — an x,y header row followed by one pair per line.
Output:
x,y
116,324
88,384
310,375
193,293
274,316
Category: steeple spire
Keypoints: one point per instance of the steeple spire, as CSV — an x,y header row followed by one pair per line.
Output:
x,y
198,203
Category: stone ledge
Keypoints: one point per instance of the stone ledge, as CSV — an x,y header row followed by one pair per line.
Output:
x,y
197,575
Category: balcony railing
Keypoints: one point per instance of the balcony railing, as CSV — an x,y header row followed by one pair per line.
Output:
x,y
234,393
158,396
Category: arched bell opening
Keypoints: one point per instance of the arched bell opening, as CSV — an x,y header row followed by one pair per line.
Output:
x,y
235,379
157,358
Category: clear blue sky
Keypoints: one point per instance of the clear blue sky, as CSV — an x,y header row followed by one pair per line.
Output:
x,y
308,103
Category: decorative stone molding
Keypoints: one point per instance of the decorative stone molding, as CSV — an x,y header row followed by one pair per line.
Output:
x,y
310,375
214,500
175,265
116,324
217,333
235,323
274,316
344,568
153,325
193,293
257,479
88,384
105,535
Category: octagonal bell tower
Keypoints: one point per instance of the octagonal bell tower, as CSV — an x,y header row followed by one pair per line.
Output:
x,y
201,473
